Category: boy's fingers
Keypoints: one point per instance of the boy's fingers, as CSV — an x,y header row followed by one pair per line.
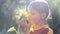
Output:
x,y
22,21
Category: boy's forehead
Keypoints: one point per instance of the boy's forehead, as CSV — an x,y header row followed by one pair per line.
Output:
x,y
30,8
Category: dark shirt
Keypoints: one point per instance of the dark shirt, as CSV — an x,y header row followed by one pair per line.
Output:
x,y
40,31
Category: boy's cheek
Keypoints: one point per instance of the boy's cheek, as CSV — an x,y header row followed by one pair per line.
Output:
x,y
33,18
30,18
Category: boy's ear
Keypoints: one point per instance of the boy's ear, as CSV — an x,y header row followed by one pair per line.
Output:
x,y
43,15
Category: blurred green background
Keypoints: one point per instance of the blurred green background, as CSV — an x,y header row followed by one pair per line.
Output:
x,y
10,9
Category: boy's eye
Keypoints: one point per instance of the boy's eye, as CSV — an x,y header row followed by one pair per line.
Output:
x,y
32,13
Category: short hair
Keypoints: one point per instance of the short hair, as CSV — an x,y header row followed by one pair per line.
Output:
x,y
40,6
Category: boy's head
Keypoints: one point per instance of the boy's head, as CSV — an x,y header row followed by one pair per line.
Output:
x,y
38,10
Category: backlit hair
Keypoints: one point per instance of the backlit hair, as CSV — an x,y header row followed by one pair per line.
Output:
x,y
40,6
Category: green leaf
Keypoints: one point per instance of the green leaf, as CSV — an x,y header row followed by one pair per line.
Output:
x,y
11,29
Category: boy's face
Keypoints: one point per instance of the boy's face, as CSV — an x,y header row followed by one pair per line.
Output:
x,y
35,16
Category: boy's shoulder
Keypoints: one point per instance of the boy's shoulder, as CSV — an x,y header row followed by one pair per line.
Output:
x,y
47,29
43,30
40,31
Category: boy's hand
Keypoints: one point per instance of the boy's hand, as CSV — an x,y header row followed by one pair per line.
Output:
x,y
23,22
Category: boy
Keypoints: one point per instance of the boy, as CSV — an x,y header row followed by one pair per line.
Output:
x,y
38,12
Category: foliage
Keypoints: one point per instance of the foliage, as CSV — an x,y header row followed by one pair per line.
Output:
x,y
54,5
10,13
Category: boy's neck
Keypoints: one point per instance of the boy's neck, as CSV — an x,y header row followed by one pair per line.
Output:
x,y
41,23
